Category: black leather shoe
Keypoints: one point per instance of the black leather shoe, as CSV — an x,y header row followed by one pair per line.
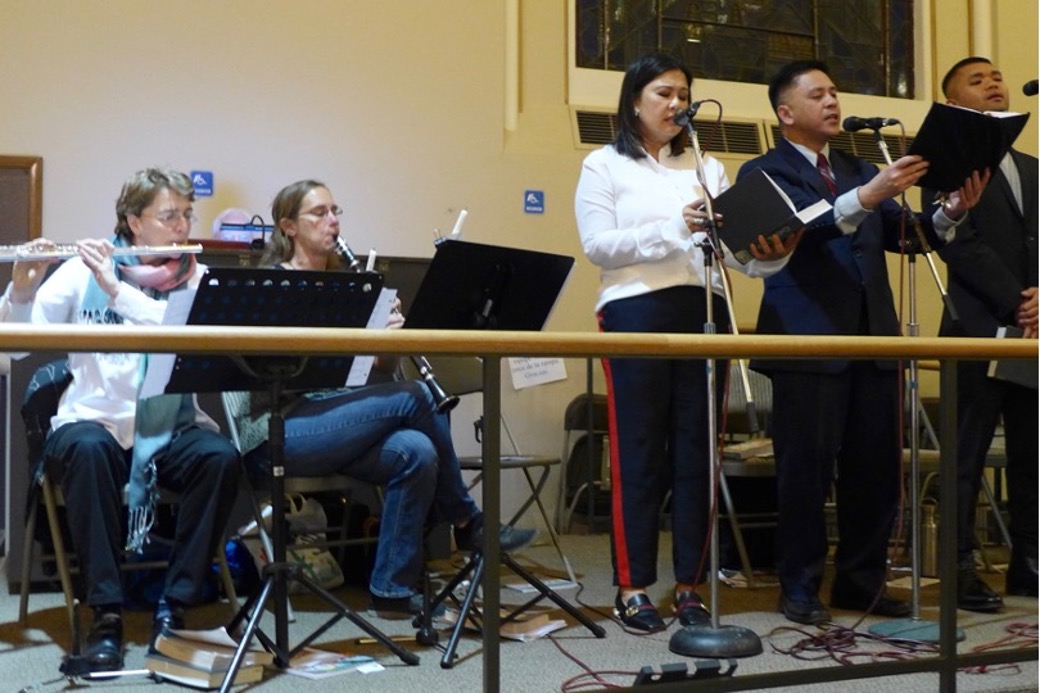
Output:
x,y
1021,579
168,616
804,612
973,594
104,650
690,609
470,537
885,606
638,613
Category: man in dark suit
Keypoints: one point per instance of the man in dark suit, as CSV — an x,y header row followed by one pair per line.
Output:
x,y
992,267
843,411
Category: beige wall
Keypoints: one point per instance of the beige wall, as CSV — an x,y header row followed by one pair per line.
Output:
x,y
398,105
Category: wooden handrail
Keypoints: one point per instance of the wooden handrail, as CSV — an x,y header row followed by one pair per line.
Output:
x,y
16,337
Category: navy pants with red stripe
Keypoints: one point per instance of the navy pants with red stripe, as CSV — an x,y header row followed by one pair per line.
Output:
x,y
659,437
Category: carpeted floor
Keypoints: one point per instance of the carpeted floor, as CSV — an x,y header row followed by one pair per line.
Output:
x,y
572,657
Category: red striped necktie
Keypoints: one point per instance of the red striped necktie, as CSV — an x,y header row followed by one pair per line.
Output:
x,y
825,171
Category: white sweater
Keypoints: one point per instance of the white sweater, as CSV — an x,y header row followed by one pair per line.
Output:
x,y
104,385
629,216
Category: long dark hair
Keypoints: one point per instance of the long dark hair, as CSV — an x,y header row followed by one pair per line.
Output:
x,y
628,140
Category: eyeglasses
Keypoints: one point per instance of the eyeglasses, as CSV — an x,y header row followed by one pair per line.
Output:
x,y
323,212
168,218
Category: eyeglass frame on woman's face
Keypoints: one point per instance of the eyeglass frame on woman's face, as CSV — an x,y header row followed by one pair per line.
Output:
x,y
322,211
169,218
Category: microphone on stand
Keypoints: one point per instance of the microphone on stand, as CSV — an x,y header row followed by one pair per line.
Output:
x,y
1030,88
855,123
686,115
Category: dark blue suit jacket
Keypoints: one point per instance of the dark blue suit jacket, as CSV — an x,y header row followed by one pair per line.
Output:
x,y
994,255
834,284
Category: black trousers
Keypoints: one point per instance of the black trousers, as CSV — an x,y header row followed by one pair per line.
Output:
x,y
980,403
841,429
658,422
92,470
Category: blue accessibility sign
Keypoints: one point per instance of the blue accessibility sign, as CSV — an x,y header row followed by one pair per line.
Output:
x,y
203,183
534,202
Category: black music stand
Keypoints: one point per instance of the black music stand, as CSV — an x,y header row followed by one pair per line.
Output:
x,y
268,297
477,286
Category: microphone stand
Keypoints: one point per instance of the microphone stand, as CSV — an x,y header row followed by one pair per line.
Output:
x,y
913,627
712,640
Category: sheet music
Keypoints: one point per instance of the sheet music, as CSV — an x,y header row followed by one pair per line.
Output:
x,y
362,365
160,365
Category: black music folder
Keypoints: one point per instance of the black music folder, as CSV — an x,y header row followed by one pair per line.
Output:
x,y
957,141
1023,372
755,205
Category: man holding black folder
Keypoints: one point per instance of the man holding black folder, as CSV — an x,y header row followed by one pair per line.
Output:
x,y
836,283
993,283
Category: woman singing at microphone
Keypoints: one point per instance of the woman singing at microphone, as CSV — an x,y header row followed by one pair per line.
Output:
x,y
640,214
388,434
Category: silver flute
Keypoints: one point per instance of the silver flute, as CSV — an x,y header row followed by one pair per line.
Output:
x,y
21,252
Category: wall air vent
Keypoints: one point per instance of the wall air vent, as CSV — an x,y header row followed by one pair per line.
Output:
x,y
862,144
595,127
734,137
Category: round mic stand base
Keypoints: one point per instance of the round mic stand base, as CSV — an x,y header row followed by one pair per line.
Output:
x,y
718,642
911,629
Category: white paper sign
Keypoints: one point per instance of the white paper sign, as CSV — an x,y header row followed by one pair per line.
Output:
x,y
532,371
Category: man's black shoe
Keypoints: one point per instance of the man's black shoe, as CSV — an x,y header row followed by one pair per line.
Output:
x,y
804,612
104,650
973,594
168,616
470,537
885,606
1021,579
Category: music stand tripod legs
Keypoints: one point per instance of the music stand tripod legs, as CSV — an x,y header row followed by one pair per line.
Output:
x,y
279,573
467,611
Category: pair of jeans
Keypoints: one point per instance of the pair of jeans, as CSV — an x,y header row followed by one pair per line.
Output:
x,y
391,435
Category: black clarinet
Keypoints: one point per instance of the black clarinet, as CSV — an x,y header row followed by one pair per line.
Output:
x,y
444,400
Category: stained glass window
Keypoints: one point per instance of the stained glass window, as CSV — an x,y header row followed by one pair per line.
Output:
x,y
868,44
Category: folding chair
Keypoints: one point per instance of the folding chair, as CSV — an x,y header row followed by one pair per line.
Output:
x,y
39,405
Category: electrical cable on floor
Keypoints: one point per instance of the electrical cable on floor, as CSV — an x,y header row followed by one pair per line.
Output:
x,y
1020,636
843,645
595,679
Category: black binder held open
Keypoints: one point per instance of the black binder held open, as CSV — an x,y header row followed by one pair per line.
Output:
x,y
957,141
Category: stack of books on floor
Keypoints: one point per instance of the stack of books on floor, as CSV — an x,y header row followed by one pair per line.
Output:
x,y
201,659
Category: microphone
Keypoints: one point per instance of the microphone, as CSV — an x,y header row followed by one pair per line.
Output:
x,y
347,255
1030,88
854,123
687,114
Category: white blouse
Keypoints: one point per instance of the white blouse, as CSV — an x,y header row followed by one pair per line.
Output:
x,y
629,215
